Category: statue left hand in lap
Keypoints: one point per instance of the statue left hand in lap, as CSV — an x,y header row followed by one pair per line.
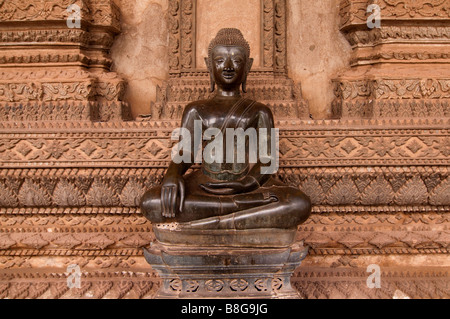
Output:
x,y
235,192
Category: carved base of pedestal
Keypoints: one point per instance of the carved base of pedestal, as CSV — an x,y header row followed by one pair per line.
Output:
x,y
212,272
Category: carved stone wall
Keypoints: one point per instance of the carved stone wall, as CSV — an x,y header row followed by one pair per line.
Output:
x,y
51,71
400,69
70,177
268,83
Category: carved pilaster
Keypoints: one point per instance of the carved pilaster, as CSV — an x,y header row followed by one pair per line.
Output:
x,y
187,35
268,34
399,68
47,60
280,57
174,36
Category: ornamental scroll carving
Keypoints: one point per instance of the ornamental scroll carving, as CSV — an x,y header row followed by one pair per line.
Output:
x,y
94,11
58,82
356,11
406,44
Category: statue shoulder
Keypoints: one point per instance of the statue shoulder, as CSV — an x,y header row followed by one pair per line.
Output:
x,y
264,115
195,104
194,107
261,108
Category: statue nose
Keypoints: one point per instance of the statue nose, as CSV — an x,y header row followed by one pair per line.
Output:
x,y
228,66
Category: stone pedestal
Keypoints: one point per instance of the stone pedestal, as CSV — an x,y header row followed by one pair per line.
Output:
x,y
220,270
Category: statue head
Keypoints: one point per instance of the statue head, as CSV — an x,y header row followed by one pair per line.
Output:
x,y
228,60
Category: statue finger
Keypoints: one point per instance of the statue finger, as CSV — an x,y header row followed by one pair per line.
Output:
x,y
168,201
211,185
220,185
173,201
163,199
232,185
206,188
225,191
182,194
221,191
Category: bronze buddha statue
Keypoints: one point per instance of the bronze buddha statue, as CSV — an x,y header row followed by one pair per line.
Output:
x,y
226,195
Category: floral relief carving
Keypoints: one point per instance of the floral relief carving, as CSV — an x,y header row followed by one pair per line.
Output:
x,y
378,191
8,198
101,194
36,9
98,11
132,193
268,32
215,285
344,192
414,192
355,11
187,42
414,8
375,189
440,195
67,195
32,194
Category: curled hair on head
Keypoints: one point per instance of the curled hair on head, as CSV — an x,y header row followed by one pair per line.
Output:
x,y
229,36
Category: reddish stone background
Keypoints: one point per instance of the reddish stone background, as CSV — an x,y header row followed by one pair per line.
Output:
x,y
74,164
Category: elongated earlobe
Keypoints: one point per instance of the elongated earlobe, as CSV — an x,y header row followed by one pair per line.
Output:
x,y
211,76
213,83
244,82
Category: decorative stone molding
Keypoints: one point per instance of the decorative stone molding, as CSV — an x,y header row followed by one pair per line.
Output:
x,y
93,11
316,283
311,282
59,63
302,144
354,12
399,69
366,184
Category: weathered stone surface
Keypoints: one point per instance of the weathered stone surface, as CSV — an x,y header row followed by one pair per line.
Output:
x,y
316,50
140,52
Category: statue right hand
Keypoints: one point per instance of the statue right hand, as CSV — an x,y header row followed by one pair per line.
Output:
x,y
172,190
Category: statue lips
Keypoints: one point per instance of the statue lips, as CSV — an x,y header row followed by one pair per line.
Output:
x,y
229,75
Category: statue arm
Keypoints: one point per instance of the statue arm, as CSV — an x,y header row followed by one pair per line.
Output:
x,y
173,185
265,121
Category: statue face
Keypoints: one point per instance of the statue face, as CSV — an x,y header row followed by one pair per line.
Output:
x,y
228,66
